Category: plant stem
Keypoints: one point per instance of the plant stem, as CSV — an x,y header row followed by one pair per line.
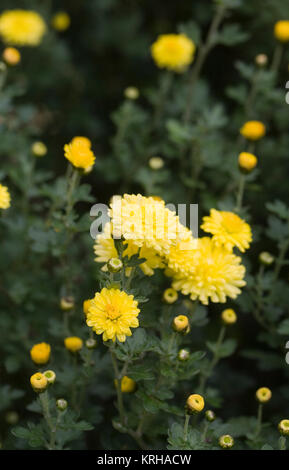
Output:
x,y
282,443
44,400
165,85
277,58
204,435
186,426
118,378
215,359
240,193
259,420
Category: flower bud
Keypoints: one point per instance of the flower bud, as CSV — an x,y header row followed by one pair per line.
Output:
x,y
12,417
11,55
183,354
170,295
266,258
263,394
50,375
281,31
156,163
131,93
67,303
127,385
60,21
61,404
261,60
194,404
229,316
181,324
226,441
91,343
210,416
40,353
283,427
39,149
39,382
114,265
73,343
247,162
253,130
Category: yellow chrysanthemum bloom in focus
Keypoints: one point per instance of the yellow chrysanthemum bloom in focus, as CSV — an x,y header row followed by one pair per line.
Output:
x,y
127,385
112,313
22,27
247,162
173,51
73,343
253,130
228,230
281,31
11,56
4,197
61,21
217,274
263,394
40,353
79,154
195,403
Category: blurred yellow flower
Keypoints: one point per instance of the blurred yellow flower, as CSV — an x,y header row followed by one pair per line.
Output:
x,y
173,51
60,21
217,274
127,385
229,316
283,427
22,27
253,130
281,31
11,55
228,230
263,394
79,154
113,313
39,149
82,140
73,343
40,353
5,198
247,162
170,295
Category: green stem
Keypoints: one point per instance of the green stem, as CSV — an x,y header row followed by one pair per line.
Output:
x,y
240,193
118,378
214,361
282,443
44,400
186,426
204,435
259,420
277,58
165,85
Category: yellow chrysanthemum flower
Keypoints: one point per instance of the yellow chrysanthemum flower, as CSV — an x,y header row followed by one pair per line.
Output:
x,y
228,229
217,274
79,154
61,21
82,140
180,259
173,51
253,130
40,353
4,197
11,56
22,27
195,403
112,313
39,382
281,31
73,343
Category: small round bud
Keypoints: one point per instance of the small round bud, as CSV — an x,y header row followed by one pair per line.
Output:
x,y
50,375
261,60
210,416
60,21
156,163
91,343
263,394
61,404
170,295
229,316
127,385
253,130
281,31
247,162
11,417
39,149
66,303
131,93
39,382
194,404
73,343
283,427
266,258
183,354
226,441
181,324
11,55
40,353
114,265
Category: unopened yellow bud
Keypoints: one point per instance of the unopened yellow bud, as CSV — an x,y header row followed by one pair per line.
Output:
x,y
11,55
226,441
229,316
91,343
61,404
266,258
281,31
156,163
60,21
39,149
181,324
50,375
38,382
127,385
66,303
263,394
170,295
253,130
131,93
283,427
73,343
195,404
40,353
261,60
247,162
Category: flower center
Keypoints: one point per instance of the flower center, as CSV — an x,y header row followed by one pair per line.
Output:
x,y
231,222
112,312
